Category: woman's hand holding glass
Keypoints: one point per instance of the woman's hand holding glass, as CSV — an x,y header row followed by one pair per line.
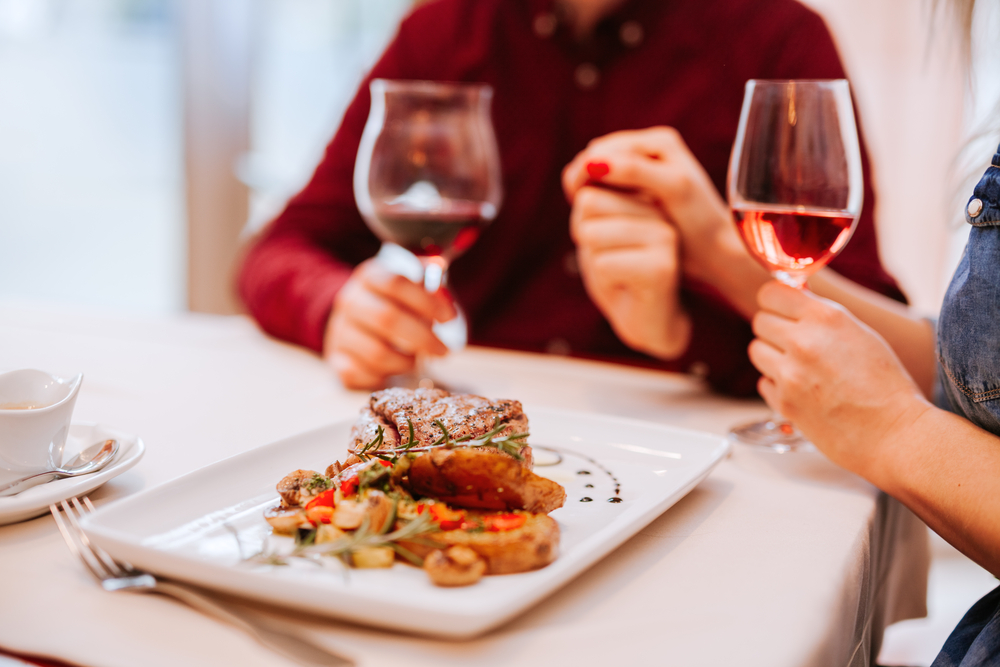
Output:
x,y
848,410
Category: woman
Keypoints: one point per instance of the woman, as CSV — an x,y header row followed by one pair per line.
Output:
x,y
871,415
563,73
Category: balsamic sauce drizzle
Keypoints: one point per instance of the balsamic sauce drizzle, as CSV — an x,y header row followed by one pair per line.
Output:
x,y
618,487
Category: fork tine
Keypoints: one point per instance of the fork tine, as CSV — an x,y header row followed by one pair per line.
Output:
x,y
124,567
110,564
71,537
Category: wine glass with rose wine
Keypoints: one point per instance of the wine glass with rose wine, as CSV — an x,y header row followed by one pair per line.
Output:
x,y
795,188
427,179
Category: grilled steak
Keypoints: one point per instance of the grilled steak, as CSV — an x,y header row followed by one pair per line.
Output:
x,y
480,477
366,430
463,415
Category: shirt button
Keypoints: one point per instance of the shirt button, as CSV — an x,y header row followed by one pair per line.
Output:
x,y
699,369
631,33
570,264
975,208
545,25
558,346
586,76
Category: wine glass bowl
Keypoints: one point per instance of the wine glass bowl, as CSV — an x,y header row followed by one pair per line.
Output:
x,y
795,182
427,176
795,188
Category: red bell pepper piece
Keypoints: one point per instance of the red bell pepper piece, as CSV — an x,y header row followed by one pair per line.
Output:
x,y
499,523
447,518
324,499
349,486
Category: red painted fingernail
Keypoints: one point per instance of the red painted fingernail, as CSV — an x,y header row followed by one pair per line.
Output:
x,y
598,170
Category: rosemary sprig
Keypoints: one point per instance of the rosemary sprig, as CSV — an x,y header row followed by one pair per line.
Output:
x,y
375,444
409,443
414,531
509,444
445,438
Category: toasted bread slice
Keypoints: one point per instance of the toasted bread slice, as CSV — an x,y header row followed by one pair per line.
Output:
x,y
535,544
482,478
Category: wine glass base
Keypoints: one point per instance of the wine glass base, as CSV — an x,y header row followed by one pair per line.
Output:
x,y
454,333
777,435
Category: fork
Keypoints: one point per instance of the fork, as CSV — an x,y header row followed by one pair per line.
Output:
x,y
120,576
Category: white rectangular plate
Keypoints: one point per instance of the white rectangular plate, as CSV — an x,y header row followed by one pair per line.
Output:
x,y
200,527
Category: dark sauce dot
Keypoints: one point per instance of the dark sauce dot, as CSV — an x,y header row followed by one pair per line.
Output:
x,y
588,486
582,472
585,499
616,499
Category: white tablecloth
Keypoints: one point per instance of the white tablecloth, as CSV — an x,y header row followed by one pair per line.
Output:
x,y
774,560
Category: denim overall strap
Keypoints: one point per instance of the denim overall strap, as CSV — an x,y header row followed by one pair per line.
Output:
x,y
969,326
976,640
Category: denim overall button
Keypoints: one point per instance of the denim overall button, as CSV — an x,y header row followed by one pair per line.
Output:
x,y
975,208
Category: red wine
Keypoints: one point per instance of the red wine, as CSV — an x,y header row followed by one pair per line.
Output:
x,y
793,241
445,232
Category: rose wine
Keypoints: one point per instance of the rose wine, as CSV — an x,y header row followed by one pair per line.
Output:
x,y
446,231
792,240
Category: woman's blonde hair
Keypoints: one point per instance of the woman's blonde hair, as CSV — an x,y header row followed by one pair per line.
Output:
x,y
962,10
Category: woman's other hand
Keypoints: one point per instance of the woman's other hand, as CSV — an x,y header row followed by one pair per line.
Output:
x,y
656,164
379,324
836,379
630,265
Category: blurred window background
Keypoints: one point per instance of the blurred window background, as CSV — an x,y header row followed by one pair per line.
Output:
x,y
91,185
311,55
94,157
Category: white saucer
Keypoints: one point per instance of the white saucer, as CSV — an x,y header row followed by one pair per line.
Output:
x,y
36,500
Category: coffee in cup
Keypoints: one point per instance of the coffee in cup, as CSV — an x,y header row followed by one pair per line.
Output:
x,y
35,413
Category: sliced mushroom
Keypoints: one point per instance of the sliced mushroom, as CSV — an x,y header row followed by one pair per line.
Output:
x,y
295,490
334,469
380,510
285,521
458,566
348,514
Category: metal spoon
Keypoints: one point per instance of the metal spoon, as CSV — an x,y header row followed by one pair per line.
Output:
x,y
90,460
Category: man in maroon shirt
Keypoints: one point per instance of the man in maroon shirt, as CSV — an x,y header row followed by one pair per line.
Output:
x,y
563,74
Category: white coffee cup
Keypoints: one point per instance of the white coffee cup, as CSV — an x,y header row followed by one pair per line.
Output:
x,y
35,412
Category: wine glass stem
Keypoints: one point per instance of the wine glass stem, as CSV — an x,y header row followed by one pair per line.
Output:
x,y
796,280
435,273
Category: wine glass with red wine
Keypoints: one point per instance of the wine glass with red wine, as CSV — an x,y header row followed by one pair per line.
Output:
x,y
795,187
427,178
